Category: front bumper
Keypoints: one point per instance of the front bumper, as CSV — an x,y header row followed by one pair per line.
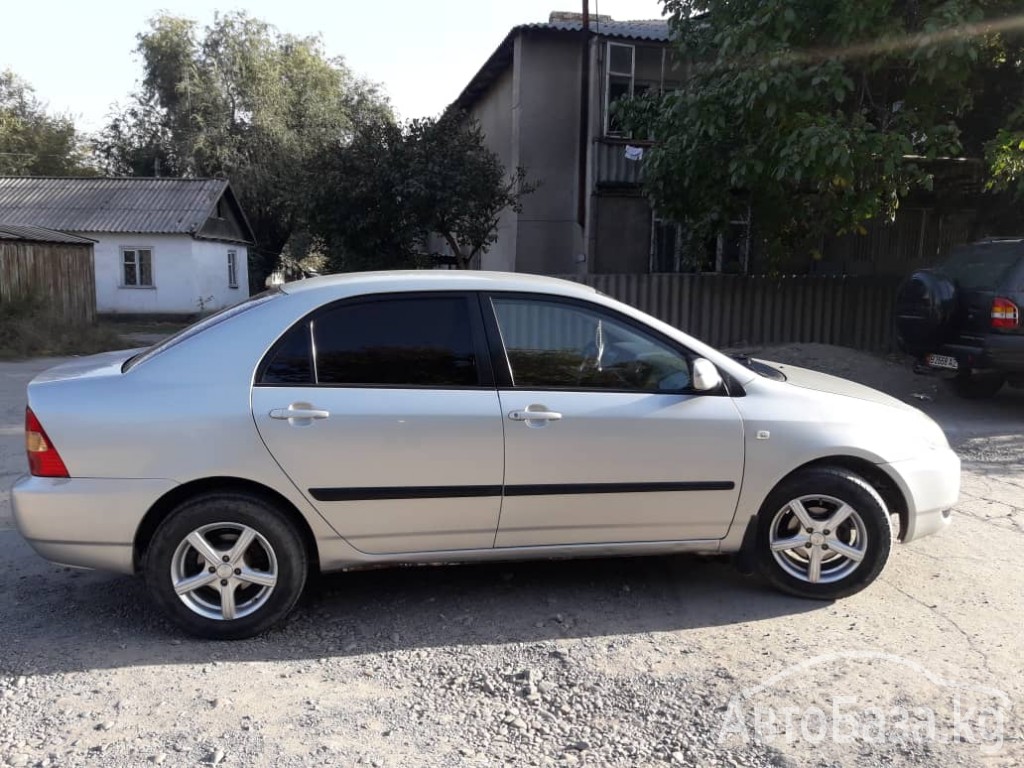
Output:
x,y
84,522
931,485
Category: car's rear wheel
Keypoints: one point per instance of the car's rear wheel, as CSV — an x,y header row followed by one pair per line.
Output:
x,y
977,386
226,566
823,533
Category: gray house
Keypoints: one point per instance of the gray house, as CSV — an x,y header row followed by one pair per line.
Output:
x,y
527,99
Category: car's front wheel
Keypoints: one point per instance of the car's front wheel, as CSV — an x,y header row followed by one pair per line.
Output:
x,y
823,533
226,566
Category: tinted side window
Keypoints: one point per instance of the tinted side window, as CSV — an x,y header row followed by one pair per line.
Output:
x,y
397,342
564,346
292,361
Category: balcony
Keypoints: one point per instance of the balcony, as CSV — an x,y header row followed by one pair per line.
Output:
x,y
612,166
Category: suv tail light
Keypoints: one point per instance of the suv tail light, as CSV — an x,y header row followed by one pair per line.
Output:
x,y
1005,314
43,459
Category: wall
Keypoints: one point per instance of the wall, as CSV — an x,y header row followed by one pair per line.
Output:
x,y
494,110
184,271
623,228
60,274
548,234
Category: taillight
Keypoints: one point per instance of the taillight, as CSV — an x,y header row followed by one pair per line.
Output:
x,y
43,459
1005,314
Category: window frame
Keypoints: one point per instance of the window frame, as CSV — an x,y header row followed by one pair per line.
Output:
x,y
135,249
232,268
608,75
485,369
503,367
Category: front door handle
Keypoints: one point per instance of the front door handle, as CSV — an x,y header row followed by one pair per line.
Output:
x,y
299,411
531,415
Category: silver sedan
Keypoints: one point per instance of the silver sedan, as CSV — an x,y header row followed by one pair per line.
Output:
x,y
419,417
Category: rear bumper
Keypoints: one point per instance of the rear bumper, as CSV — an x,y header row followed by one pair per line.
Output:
x,y
84,522
991,352
931,485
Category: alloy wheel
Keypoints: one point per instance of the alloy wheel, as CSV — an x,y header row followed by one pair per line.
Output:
x,y
818,539
224,571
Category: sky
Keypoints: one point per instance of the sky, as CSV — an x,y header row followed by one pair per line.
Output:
x,y
79,56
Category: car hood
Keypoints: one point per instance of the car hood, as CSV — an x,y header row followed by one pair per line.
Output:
x,y
823,382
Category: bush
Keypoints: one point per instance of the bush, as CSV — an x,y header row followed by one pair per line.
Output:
x,y
28,328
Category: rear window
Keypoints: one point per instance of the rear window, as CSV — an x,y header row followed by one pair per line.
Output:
x,y
982,266
196,328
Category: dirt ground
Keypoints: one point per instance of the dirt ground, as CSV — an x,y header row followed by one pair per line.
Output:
x,y
633,662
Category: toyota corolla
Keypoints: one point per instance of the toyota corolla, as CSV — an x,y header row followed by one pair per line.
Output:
x,y
426,417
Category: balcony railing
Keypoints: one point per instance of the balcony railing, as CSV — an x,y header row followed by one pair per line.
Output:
x,y
614,166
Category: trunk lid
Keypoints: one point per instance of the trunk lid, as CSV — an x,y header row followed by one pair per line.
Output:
x,y
93,366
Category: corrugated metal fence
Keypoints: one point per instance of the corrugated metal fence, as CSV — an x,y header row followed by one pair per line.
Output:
x,y
59,275
740,310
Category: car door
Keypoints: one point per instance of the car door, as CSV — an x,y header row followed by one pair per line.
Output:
x,y
383,411
605,438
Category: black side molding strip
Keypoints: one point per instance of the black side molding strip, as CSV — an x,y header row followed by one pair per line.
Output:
x,y
468,491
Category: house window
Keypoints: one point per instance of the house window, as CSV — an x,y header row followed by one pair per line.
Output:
x,y
675,249
136,267
619,81
232,269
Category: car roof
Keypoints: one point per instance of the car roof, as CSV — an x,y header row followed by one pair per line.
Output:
x,y
440,279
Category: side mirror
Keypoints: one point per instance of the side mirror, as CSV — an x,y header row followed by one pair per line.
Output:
x,y
705,376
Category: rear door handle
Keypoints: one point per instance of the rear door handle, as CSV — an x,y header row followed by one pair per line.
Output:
x,y
299,413
528,415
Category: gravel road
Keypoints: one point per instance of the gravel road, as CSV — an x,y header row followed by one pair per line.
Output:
x,y
631,662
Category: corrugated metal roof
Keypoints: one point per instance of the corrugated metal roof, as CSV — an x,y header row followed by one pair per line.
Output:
x,y
643,29
652,30
143,205
40,235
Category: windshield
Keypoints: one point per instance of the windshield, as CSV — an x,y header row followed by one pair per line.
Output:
x,y
198,327
982,265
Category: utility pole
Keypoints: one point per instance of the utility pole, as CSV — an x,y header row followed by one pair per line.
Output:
x,y
582,191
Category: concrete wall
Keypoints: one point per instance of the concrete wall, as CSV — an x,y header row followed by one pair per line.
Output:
x,y
549,236
622,225
495,111
184,271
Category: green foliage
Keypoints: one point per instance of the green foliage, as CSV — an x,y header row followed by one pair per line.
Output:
x,y
33,142
242,99
395,189
811,115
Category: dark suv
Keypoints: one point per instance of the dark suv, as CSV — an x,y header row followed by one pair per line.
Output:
x,y
961,319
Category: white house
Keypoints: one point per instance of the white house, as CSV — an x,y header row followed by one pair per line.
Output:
x,y
163,246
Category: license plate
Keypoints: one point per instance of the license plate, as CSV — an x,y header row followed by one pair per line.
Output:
x,y
942,361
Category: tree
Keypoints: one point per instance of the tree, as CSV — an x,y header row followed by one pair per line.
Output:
x,y
463,185
33,142
813,116
395,191
241,99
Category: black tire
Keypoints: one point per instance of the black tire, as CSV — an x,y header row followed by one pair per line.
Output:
x,y
976,386
219,516
868,529
925,312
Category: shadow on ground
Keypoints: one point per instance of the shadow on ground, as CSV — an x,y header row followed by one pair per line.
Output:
x,y
58,620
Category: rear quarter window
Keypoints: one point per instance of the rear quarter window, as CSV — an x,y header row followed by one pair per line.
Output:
x,y
983,266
